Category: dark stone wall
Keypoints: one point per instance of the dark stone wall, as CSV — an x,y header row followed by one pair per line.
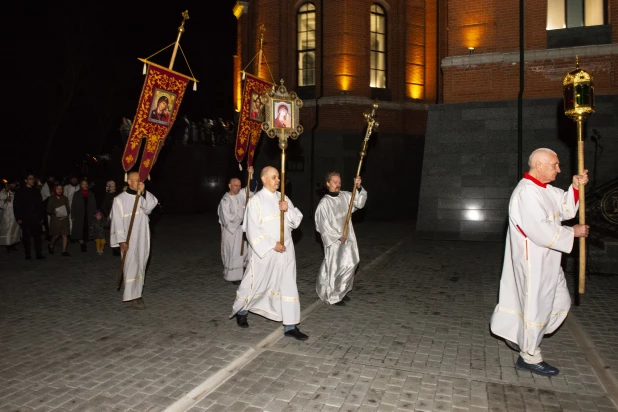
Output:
x,y
470,162
193,178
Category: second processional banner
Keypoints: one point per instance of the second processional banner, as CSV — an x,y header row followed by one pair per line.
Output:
x,y
251,118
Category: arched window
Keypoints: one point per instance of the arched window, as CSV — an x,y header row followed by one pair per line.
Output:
x,y
377,47
564,14
305,22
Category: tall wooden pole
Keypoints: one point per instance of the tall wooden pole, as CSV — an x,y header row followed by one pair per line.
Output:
x,y
261,52
181,29
283,144
371,124
124,255
247,190
578,99
250,175
582,205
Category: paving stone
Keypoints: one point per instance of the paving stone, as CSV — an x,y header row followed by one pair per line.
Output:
x,y
413,336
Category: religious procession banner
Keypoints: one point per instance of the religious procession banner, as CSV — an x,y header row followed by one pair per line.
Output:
x,y
158,105
251,117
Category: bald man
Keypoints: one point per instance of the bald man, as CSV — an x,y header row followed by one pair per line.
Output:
x,y
269,286
534,299
137,248
231,213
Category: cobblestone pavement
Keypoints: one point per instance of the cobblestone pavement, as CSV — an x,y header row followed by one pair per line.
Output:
x,y
414,336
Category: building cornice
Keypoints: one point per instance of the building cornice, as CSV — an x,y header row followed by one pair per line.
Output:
x,y
365,101
531,55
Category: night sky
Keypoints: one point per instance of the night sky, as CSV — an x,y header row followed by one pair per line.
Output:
x,y
91,53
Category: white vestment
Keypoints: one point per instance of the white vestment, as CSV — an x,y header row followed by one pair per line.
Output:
x,y
10,232
69,191
340,260
231,212
268,287
534,299
139,244
45,191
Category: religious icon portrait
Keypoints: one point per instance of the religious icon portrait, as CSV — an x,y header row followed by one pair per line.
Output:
x,y
257,108
161,106
282,114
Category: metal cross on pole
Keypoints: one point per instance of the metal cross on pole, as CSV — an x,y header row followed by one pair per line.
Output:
x,y
372,124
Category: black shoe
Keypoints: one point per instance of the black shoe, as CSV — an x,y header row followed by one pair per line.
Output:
x,y
512,345
541,368
296,334
236,282
65,253
50,250
340,303
138,304
346,298
241,320
83,246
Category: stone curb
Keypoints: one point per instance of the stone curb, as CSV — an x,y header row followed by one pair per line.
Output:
x,y
606,377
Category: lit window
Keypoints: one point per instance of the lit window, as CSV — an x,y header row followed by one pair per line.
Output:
x,y
377,52
562,14
306,45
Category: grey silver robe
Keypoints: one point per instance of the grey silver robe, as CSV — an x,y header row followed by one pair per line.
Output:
x,y
10,232
336,274
231,212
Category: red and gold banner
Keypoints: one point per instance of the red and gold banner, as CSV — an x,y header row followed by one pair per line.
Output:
x,y
158,105
251,118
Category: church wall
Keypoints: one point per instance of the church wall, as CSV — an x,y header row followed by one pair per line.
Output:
x,y
478,78
470,161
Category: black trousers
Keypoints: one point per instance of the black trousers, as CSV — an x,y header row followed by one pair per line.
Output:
x,y
31,231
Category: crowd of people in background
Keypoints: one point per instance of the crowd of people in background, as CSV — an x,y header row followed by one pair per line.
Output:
x,y
33,211
186,131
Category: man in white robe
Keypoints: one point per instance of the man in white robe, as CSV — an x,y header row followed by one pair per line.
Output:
x,y
340,252
231,213
10,232
137,248
534,299
269,285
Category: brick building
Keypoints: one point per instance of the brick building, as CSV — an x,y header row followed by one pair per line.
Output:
x,y
446,74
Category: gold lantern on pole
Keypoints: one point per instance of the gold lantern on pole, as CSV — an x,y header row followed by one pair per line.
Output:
x,y
578,95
